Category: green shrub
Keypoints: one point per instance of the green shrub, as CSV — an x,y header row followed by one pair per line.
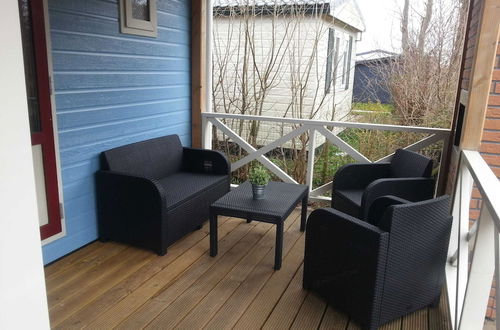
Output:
x,y
259,176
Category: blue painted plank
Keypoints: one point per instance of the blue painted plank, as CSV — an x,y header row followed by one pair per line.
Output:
x,y
76,81
77,154
89,99
72,119
66,61
86,43
79,171
86,135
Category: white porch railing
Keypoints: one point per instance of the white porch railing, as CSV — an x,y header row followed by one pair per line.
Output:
x,y
474,253
313,127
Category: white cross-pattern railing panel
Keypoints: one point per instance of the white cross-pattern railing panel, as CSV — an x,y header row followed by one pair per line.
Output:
x,y
311,127
473,253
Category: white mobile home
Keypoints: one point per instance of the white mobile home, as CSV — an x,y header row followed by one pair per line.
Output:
x,y
284,59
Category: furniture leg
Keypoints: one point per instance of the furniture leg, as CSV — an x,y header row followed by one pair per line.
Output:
x,y
213,234
303,215
279,245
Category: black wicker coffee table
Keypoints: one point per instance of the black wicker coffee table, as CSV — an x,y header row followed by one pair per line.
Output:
x,y
281,198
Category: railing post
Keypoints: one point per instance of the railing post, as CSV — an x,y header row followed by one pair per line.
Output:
x,y
481,273
310,158
206,126
458,252
206,133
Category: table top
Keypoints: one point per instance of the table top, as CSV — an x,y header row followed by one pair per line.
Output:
x,y
280,198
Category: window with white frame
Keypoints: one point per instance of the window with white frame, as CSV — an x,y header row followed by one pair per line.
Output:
x,y
138,17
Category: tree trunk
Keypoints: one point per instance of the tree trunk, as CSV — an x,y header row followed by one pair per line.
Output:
x,y
404,27
426,21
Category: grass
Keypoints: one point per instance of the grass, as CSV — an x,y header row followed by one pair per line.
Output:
x,y
375,107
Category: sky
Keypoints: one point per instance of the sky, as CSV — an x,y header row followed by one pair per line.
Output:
x,y
382,25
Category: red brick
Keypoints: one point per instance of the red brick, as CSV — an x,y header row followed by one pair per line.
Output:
x,y
494,99
492,124
474,204
476,193
492,148
497,84
493,136
474,214
496,170
496,75
492,159
493,112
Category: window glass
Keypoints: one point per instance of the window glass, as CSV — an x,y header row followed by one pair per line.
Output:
x,y
140,10
329,61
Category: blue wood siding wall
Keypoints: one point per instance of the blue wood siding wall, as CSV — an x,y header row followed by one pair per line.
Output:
x,y
112,89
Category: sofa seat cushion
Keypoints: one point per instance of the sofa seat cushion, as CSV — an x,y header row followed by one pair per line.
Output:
x,y
182,186
352,195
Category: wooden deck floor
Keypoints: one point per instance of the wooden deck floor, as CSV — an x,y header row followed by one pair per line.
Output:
x,y
110,285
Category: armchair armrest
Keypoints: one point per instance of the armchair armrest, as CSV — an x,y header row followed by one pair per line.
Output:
x,y
205,161
411,189
377,209
124,198
344,258
358,176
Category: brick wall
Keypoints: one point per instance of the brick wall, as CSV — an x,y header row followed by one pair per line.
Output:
x,y
490,146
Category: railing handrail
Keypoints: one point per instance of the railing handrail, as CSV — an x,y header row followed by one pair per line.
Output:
x,y
485,180
314,122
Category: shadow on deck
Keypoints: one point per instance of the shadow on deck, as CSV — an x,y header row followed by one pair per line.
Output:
x,y
108,285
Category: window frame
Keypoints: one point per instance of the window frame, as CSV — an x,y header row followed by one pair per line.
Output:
x,y
330,71
134,26
350,44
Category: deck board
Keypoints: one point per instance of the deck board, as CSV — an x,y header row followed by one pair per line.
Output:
x,y
110,285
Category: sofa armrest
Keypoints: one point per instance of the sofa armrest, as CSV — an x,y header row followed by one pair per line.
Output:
x,y
124,198
411,189
344,260
205,161
358,176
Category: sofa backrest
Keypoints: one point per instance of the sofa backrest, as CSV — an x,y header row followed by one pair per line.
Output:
x,y
407,164
155,158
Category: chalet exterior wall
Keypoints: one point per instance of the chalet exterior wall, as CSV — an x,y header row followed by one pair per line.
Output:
x,y
282,99
112,89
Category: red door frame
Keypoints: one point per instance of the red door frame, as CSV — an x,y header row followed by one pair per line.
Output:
x,y
45,138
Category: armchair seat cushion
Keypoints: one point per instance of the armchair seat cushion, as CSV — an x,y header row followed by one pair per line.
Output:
x,y
183,186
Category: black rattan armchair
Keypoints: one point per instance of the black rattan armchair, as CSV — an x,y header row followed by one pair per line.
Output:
x,y
383,269
356,186
152,193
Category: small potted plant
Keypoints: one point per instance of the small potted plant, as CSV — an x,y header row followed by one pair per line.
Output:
x,y
259,178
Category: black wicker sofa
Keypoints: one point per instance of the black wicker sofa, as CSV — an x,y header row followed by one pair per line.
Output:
x,y
152,193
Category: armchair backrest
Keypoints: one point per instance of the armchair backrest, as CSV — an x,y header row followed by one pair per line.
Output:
x,y
419,234
407,163
155,158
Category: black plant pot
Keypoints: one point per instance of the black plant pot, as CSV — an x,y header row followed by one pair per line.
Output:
x,y
259,191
